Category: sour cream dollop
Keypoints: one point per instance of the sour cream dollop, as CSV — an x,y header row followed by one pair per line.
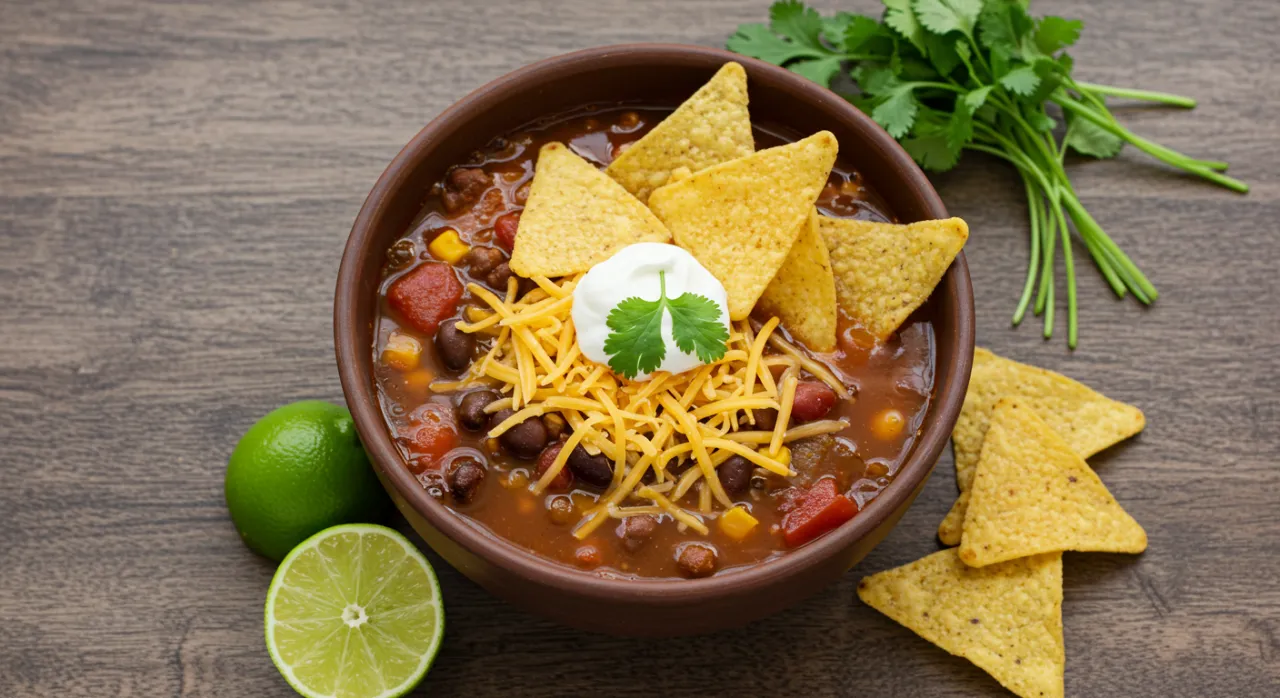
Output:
x,y
633,271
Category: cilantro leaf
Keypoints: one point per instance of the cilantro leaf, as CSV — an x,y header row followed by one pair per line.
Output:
x,y
1053,33
1002,26
902,19
942,53
932,152
897,113
799,23
851,32
1087,138
943,16
1021,80
975,99
635,345
757,41
696,327
818,70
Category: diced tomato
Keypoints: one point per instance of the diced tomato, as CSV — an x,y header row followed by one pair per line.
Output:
x,y
504,229
435,434
819,510
426,296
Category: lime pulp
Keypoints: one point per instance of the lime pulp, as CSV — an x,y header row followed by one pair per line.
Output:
x,y
354,612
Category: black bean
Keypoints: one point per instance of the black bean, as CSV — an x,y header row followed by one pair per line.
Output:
x,y
696,560
465,479
471,409
524,440
454,346
735,475
594,470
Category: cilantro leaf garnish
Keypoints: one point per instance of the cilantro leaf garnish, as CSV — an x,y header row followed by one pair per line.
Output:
x,y
635,344
948,76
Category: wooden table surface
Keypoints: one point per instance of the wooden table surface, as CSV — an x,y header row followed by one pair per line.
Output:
x,y
177,182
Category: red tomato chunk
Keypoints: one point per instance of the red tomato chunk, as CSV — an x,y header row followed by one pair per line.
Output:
x,y
504,229
434,435
817,511
426,296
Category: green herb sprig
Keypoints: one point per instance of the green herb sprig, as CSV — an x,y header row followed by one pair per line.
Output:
x,y
945,76
635,343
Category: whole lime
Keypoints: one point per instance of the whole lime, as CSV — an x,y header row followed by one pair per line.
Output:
x,y
298,471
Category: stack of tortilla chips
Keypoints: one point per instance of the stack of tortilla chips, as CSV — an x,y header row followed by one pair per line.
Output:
x,y
748,216
1027,495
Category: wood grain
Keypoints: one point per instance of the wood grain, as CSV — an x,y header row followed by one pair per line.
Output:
x,y
177,181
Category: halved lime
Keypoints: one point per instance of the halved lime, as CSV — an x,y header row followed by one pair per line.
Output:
x,y
354,612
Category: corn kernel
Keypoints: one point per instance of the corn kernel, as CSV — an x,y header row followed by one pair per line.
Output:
x,y
783,456
402,352
448,247
737,523
418,381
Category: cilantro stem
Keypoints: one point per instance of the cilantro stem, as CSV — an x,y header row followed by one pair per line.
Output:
x,y
1171,157
1035,206
1141,95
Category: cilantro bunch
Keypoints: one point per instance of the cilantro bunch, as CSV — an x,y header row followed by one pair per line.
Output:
x,y
945,76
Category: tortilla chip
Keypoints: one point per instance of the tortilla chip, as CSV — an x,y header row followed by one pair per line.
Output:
x,y
740,218
1005,618
576,217
884,271
711,127
1086,419
803,293
1032,494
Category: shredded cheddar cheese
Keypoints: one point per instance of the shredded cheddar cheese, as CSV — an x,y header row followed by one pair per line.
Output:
x,y
701,417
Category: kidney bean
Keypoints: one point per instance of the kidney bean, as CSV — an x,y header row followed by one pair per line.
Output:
x,y
635,531
465,478
563,481
497,277
814,399
524,440
696,560
471,413
454,346
504,229
482,260
735,474
594,470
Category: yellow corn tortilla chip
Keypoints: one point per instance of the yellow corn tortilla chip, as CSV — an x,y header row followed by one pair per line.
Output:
x,y
1086,419
576,217
884,271
803,293
711,127
740,218
1005,618
1032,494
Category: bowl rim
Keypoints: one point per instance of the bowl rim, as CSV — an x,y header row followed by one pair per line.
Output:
x,y
364,403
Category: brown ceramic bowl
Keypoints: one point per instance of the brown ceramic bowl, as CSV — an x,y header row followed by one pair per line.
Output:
x,y
657,74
